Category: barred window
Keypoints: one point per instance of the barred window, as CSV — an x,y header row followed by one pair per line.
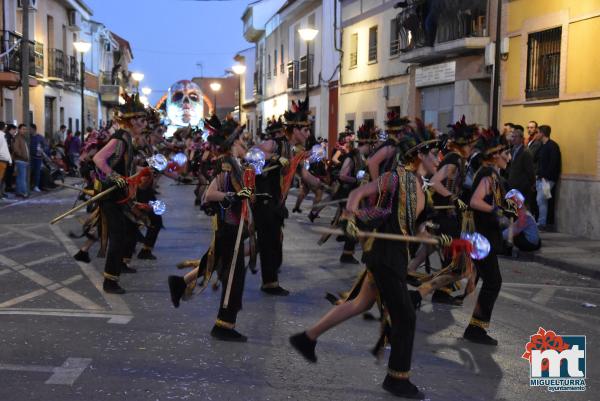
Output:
x,y
543,64
353,50
394,38
373,44
275,63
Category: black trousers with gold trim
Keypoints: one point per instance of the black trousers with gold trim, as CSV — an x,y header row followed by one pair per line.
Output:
x,y
489,271
224,249
120,231
270,242
394,295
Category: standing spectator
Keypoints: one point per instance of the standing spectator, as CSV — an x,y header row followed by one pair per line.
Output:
x,y
88,132
521,173
73,150
534,143
548,172
5,159
59,137
9,179
507,131
21,158
68,140
37,147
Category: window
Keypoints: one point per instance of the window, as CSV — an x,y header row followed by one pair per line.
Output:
x,y
353,50
350,125
269,66
543,64
373,44
275,63
282,66
369,123
8,110
394,38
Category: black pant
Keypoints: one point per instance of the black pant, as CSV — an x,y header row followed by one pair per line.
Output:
x,y
153,230
120,232
349,245
224,248
394,295
523,244
489,271
269,241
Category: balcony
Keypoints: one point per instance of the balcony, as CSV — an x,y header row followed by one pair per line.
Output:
x,y
292,78
110,89
72,72
304,70
10,62
451,31
56,65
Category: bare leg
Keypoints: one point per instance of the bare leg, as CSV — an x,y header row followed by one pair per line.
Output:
x,y
303,192
419,258
88,244
340,313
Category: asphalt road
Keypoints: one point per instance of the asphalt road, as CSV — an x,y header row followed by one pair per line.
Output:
x,y
61,338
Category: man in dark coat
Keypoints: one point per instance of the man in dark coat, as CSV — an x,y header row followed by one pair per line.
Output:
x,y
548,171
521,172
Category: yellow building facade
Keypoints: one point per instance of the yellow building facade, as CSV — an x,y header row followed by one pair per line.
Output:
x,y
551,75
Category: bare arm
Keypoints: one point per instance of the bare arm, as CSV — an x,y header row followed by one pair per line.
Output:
x,y
310,179
213,194
345,171
101,158
379,157
336,157
359,194
441,175
477,200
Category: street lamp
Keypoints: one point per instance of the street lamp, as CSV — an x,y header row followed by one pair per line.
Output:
x,y
82,47
239,69
215,86
146,91
308,35
144,100
137,77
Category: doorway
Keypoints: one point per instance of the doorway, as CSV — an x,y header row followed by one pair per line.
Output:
x,y
437,106
48,116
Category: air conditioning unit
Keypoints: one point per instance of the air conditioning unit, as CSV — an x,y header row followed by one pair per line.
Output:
x,y
75,20
32,4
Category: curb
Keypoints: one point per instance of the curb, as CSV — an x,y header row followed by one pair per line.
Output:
x,y
559,264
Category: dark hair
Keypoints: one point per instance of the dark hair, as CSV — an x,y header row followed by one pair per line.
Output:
x,y
545,130
2,125
88,129
63,126
535,122
11,126
34,127
22,125
518,127
511,125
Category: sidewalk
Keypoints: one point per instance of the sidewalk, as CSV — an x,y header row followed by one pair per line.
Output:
x,y
567,252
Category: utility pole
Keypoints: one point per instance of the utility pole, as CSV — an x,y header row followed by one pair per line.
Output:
x,y
25,63
497,60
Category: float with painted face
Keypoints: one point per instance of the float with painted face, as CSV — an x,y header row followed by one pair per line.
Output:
x,y
184,104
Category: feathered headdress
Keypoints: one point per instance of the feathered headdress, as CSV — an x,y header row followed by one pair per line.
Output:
x,y
462,133
424,139
396,123
273,126
490,141
363,134
132,107
298,114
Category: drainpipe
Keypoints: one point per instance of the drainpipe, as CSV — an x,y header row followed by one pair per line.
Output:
x,y
496,88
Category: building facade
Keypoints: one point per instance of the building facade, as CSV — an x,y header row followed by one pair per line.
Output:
x,y
550,75
373,81
55,66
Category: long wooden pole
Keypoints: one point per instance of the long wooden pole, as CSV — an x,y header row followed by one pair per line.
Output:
x,y
386,236
84,204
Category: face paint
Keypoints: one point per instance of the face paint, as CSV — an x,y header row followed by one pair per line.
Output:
x,y
184,103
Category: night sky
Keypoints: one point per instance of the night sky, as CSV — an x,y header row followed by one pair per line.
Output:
x,y
169,37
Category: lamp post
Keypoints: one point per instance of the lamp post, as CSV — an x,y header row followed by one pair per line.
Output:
x,y
308,35
239,69
137,77
215,86
82,47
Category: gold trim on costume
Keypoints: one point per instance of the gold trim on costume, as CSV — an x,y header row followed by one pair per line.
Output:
x,y
398,375
479,323
224,324
347,252
110,277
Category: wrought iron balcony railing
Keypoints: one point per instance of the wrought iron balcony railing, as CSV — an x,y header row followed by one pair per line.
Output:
x,y
56,64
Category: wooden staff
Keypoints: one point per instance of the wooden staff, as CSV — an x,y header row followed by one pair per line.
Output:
x,y
73,187
335,202
386,236
248,182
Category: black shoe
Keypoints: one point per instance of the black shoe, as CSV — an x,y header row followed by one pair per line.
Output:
x,y
146,254
223,334
276,291
332,298
478,335
82,256
127,270
415,298
312,216
112,287
413,280
305,346
177,288
296,210
402,388
442,297
349,259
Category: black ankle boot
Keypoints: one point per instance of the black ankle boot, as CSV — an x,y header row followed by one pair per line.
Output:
x,y
442,297
402,388
177,288
223,334
332,298
349,259
296,210
280,291
82,256
415,298
304,345
127,270
112,287
312,216
146,254
478,335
